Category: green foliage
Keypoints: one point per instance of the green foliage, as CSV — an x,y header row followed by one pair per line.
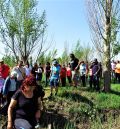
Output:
x,y
65,55
41,59
22,28
51,55
115,44
78,50
9,60
82,52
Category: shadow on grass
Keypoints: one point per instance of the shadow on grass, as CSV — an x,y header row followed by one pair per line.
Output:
x,y
115,92
77,98
56,121
89,89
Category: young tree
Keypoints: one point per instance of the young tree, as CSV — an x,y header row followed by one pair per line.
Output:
x,y
78,50
65,54
101,16
87,53
21,29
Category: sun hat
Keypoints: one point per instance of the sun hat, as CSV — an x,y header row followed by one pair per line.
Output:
x,y
13,74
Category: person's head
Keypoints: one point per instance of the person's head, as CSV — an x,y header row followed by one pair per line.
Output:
x,y
63,66
1,62
27,63
39,64
20,63
72,56
82,62
13,74
29,84
95,61
55,62
35,64
118,62
48,63
68,65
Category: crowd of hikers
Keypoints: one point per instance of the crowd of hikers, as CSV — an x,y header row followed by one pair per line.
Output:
x,y
21,90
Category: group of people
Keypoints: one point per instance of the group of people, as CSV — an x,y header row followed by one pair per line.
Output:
x,y
19,88
20,85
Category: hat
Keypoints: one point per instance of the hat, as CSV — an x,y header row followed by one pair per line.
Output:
x,y
13,74
1,60
55,62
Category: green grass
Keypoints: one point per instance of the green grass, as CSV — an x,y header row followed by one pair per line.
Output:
x,y
100,100
84,104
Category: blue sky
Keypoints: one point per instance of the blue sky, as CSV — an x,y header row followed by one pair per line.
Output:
x,y
67,22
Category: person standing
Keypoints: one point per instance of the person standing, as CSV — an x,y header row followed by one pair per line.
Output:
x,y
83,71
117,71
54,78
9,89
39,73
34,69
47,73
4,72
69,74
113,75
74,69
95,67
27,68
20,70
63,72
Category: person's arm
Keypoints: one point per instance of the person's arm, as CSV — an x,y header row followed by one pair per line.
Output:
x,y
38,113
98,69
78,65
10,113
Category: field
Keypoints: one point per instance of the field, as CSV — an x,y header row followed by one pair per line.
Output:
x,y
82,108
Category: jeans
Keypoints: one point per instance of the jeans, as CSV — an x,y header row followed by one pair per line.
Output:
x,y
22,124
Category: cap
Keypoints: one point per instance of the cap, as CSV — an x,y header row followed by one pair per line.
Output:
x,y
55,62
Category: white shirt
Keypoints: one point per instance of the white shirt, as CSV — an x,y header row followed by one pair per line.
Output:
x,y
20,73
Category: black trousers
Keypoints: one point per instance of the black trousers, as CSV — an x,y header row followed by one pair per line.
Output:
x,y
63,81
69,79
83,79
94,80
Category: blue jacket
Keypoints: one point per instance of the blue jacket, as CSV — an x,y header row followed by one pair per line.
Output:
x,y
6,86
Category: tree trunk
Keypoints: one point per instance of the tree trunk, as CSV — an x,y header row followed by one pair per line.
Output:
x,y
107,65
106,72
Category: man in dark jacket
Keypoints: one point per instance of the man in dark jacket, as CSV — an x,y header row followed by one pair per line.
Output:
x,y
74,69
95,74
